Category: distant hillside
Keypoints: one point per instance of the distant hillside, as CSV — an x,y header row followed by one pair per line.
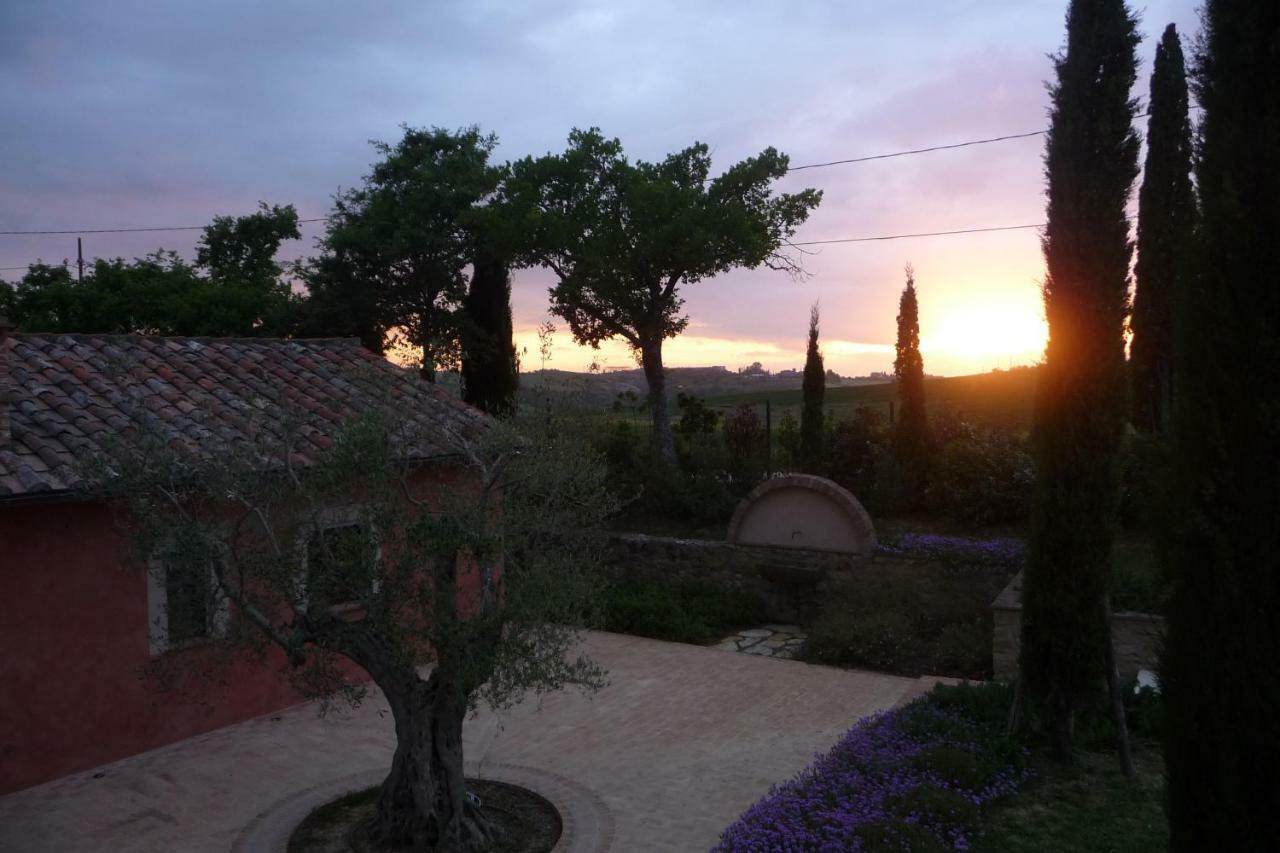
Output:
x,y
706,382
1001,398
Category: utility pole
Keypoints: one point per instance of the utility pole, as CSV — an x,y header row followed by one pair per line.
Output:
x,y
80,260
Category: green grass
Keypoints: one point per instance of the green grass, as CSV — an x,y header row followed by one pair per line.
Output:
x,y
1087,808
680,612
1000,398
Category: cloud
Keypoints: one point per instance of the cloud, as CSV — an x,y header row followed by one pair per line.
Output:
x,y
132,113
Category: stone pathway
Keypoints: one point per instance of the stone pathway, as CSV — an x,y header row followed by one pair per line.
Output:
x,y
679,744
770,641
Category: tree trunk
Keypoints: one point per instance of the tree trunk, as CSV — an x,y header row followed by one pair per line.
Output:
x,y
428,364
1117,704
664,445
1063,726
424,803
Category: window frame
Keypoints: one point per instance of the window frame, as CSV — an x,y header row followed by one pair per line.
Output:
x,y
158,626
333,518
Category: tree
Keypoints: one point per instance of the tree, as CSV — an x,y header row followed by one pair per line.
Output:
x,y
1221,667
408,234
481,570
1166,231
911,440
339,303
490,366
813,389
6,299
1091,157
234,288
622,238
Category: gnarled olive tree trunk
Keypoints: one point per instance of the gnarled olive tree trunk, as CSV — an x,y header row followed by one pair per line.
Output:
x,y
424,802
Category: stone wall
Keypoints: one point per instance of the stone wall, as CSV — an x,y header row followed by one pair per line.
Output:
x,y
1137,636
792,582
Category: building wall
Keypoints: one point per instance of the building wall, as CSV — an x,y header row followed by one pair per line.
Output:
x,y
74,689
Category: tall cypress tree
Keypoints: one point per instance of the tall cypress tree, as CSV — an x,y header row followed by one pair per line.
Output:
x,y
911,430
1091,160
814,389
1166,229
490,371
1221,667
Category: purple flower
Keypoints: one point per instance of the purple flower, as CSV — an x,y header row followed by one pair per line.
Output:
x,y
1005,552
867,778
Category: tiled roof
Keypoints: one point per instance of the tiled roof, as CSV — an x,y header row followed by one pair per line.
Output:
x,y
86,392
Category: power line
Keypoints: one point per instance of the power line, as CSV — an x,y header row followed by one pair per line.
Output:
x,y
920,150
132,230
918,234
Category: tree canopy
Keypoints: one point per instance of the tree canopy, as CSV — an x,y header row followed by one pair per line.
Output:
x,y
813,389
408,234
235,287
623,237
480,563
1166,236
911,439
1220,672
1091,160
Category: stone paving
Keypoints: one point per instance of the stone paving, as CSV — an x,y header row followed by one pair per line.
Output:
x,y
770,641
680,743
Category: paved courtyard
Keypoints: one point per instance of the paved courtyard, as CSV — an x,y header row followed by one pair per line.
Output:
x,y
679,744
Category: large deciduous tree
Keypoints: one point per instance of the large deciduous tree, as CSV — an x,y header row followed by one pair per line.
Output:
x,y
1166,231
813,389
1091,159
911,440
409,233
1221,668
623,237
481,567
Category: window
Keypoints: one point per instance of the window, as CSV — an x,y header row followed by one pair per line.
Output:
x,y
183,602
339,567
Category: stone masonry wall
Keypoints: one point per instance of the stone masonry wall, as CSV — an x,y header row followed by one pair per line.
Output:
x,y
1137,636
792,582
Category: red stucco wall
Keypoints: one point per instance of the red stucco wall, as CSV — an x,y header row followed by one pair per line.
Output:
x,y
73,652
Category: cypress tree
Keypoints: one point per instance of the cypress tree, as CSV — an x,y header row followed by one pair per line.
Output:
x,y
1091,160
814,389
1166,228
911,430
1221,668
490,369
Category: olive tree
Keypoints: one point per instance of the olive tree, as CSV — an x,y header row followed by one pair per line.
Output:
x,y
451,578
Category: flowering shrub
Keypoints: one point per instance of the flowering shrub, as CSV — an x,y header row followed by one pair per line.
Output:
x,y
913,778
1006,553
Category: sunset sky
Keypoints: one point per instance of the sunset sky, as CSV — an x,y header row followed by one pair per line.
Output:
x,y
129,114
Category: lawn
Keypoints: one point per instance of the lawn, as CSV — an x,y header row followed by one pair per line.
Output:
x,y
1087,808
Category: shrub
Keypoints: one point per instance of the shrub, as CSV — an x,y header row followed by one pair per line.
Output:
x,y
696,417
984,478
853,447
681,612
744,439
891,628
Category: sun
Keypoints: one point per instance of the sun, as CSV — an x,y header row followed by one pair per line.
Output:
x,y
996,331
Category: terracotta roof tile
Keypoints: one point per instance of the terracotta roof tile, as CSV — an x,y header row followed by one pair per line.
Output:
x,y
72,394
